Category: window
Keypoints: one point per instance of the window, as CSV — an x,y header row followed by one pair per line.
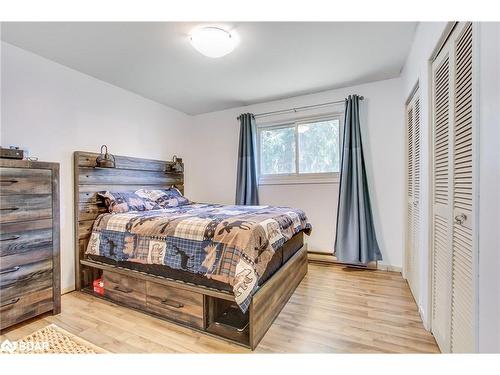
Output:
x,y
302,151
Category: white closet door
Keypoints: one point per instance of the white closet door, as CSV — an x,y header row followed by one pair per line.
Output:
x,y
453,301
413,193
441,228
462,303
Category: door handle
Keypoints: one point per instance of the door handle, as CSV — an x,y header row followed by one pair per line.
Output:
x,y
460,219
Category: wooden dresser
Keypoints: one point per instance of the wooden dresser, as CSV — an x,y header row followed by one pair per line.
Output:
x,y
29,240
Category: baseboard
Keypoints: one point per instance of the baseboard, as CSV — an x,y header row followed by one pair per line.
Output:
x,y
67,290
425,321
325,258
388,267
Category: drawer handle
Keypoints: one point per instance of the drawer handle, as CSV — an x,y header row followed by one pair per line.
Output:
x,y
10,238
11,302
8,181
9,209
167,302
9,270
118,288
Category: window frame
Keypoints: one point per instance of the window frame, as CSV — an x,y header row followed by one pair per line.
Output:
x,y
297,178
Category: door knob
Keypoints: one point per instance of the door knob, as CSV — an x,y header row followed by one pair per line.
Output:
x,y
460,219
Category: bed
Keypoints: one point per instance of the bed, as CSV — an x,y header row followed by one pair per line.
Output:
x,y
224,270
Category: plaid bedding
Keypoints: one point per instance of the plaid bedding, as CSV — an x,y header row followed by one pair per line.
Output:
x,y
232,244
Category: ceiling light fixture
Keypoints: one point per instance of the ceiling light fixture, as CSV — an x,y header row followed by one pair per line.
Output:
x,y
213,41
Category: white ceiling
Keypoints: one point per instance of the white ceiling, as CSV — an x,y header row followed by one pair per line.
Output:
x,y
274,60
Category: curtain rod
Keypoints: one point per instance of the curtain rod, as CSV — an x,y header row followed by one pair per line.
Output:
x,y
303,108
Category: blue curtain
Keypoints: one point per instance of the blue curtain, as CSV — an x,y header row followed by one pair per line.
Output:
x,y
246,182
356,242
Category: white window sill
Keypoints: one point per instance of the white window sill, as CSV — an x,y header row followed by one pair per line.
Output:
x,y
296,180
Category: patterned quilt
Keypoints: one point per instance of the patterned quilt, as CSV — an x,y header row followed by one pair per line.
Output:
x,y
232,244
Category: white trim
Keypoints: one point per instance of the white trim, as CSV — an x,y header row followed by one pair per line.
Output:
x,y
389,268
67,290
476,128
430,193
304,178
302,119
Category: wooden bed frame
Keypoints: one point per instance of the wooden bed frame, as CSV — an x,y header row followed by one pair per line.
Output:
x,y
138,290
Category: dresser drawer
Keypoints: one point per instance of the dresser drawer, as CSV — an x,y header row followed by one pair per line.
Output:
x,y
25,181
15,282
176,304
23,237
123,289
16,309
12,263
15,208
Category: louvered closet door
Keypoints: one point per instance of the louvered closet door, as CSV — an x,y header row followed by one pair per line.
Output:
x,y
453,314
462,303
413,193
441,228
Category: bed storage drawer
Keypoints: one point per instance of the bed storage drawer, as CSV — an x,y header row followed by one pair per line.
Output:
x,y
176,304
126,290
19,308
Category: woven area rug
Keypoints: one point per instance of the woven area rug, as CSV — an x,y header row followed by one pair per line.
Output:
x,y
50,340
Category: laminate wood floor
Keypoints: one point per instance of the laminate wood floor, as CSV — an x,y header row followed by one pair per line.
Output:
x,y
335,309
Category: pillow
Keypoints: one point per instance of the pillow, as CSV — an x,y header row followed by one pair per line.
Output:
x,y
118,202
165,198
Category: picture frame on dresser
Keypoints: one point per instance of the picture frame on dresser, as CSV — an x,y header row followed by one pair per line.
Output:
x,y
30,282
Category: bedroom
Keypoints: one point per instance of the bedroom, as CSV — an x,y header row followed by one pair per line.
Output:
x,y
251,187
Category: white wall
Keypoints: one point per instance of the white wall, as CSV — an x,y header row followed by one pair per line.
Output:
x,y
215,141
53,110
417,68
489,189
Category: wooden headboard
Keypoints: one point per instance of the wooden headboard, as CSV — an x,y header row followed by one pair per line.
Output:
x,y
130,174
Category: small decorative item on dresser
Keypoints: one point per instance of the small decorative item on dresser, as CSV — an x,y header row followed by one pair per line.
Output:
x,y
11,153
105,160
29,240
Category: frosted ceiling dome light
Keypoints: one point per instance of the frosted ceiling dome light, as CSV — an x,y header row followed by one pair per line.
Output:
x,y
213,41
